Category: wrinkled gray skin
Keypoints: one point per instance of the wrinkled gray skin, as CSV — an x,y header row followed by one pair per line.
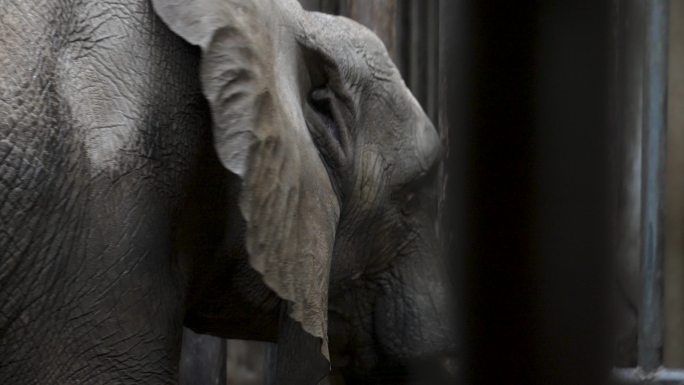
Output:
x,y
127,214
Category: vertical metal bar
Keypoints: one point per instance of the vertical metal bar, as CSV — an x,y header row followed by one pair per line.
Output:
x,y
673,349
655,97
431,24
418,51
627,107
536,181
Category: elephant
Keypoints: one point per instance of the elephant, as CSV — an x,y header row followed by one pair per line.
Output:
x,y
245,169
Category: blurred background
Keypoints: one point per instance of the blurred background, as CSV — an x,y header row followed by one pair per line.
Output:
x,y
429,42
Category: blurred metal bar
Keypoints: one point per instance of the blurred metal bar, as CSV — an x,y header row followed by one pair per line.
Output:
x,y
627,106
533,140
650,342
673,318
417,49
431,104
659,377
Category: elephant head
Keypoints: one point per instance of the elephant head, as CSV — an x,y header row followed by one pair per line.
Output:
x,y
338,164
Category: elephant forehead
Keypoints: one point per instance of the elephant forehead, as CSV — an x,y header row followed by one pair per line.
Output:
x,y
356,49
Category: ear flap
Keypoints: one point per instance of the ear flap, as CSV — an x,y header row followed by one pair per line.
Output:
x,y
250,76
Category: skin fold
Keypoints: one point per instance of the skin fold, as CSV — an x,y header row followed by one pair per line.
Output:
x,y
243,168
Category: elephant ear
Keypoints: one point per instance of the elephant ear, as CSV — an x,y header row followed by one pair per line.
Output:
x,y
251,76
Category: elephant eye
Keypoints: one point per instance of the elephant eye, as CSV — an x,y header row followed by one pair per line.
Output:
x,y
411,203
420,193
426,179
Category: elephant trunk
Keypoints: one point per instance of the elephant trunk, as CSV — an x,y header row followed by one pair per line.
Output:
x,y
414,318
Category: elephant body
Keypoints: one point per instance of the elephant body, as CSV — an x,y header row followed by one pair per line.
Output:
x,y
127,213
103,125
